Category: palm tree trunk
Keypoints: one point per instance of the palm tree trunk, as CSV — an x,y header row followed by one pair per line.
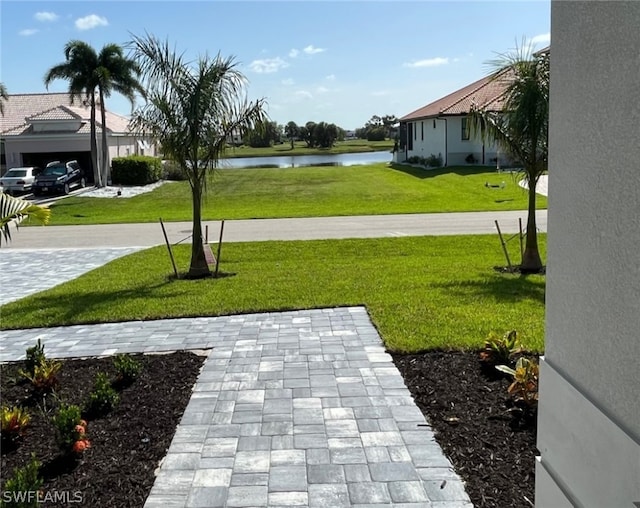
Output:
x,y
531,262
199,267
105,147
94,145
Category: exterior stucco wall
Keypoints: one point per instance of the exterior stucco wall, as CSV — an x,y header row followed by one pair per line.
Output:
x,y
593,274
15,147
429,143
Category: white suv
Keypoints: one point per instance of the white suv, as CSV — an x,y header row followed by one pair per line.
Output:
x,y
18,180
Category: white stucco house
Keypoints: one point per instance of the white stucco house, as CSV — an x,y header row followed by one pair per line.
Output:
x,y
440,127
40,127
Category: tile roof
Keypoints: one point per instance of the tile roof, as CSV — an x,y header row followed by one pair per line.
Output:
x,y
19,109
486,93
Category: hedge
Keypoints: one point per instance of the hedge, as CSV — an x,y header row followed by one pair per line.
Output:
x,y
136,170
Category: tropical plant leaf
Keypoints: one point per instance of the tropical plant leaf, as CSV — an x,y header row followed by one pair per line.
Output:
x,y
17,209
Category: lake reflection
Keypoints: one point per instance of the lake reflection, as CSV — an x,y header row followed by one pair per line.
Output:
x,y
297,161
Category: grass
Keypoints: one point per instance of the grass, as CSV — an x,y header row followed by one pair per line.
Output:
x,y
309,192
421,292
300,148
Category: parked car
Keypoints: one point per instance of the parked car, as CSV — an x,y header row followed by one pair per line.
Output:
x,y
59,178
19,179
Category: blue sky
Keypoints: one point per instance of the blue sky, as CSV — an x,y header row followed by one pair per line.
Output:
x,y
338,62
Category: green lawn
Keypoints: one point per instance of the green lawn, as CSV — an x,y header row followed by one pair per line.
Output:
x,y
421,292
309,192
300,148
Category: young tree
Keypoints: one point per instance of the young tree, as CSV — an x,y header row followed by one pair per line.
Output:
x,y
191,109
521,128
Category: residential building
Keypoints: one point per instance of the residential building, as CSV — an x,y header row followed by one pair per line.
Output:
x,y
38,128
441,128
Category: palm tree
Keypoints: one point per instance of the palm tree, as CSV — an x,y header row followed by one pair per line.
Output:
x,y
191,109
80,62
4,96
117,73
89,72
17,209
291,130
521,128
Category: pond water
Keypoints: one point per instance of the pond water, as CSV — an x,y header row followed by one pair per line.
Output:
x,y
297,161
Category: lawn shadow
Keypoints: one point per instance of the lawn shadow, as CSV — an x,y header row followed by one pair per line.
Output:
x,y
503,288
423,173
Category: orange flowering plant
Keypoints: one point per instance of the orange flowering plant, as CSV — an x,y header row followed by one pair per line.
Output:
x,y
72,429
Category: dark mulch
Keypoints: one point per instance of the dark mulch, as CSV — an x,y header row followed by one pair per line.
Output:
x,y
467,408
126,444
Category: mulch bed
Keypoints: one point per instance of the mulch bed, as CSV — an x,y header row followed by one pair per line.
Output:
x,y
467,406
127,444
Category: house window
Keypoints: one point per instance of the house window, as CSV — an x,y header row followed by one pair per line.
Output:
x,y
410,136
422,131
415,131
465,129
434,123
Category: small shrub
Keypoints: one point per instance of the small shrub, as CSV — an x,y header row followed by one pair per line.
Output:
x,y
500,350
71,429
22,489
103,398
433,162
34,357
127,367
470,159
13,422
524,388
136,170
172,171
45,376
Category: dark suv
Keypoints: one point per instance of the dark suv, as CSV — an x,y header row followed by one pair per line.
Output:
x,y
59,178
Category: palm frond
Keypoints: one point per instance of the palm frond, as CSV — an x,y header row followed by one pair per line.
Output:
x,y
16,209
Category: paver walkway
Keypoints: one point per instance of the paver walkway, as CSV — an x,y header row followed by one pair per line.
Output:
x,y
300,408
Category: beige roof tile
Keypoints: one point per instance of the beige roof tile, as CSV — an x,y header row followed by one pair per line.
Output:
x,y
19,109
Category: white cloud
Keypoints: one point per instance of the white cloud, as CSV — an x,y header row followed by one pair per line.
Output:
x,y
28,31
429,62
331,77
312,50
304,94
91,21
380,93
293,53
322,89
288,82
268,65
45,16
541,39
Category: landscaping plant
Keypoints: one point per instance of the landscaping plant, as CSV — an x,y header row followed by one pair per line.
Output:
x,y
13,422
71,429
524,388
500,350
21,490
103,398
127,367
40,371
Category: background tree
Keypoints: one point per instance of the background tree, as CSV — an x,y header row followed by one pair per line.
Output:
x,y
192,109
4,97
89,73
80,62
308,134
264,134
521,128
114,72
292,131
